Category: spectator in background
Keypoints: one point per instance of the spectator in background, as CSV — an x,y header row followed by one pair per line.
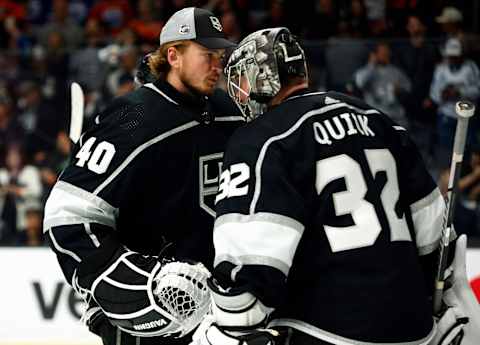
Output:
x,y
321,22
343,56
126,84
384,86
54,83
128,65
38,119
10,130
11,12
376,16
19,182
115,14
145,24
451,22
358,19
231,26
276,15
61,23
397,13
85,65
54,163
467,208
32,234
416,56
454,79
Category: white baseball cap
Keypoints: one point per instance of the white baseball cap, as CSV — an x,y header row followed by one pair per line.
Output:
x,y
449,15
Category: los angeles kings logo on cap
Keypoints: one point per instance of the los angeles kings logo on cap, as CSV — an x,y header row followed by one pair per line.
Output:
x,y
216,23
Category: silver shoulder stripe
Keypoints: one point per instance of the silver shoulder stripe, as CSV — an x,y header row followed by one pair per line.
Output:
x,y
229,118
261,216
157,90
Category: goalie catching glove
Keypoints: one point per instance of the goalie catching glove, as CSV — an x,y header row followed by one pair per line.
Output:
x,y
145,296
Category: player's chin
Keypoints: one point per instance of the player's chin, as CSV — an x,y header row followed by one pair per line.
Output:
x,y
208,87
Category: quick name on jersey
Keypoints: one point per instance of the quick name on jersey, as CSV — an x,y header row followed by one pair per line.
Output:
x,y
345,124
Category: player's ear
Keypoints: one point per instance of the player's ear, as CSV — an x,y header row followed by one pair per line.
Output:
x,y
174,57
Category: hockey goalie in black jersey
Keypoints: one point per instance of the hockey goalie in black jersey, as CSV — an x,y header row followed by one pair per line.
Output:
x,y
142,181
327,220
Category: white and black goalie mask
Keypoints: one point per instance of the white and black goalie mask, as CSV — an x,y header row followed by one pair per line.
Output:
x,y
255,68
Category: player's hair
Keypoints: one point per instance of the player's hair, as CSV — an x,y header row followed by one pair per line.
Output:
x,y
158,61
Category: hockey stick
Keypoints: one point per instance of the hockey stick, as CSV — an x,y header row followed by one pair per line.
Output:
x,y
464,111
76,118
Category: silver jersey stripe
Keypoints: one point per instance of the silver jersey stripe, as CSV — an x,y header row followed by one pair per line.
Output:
x,y
139,149
426,201
261,216
338,340
239,261
291,130
229,118
69,205
157,90
427,217
257,240
306,95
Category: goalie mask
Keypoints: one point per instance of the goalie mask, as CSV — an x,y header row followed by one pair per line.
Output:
x,y
259,67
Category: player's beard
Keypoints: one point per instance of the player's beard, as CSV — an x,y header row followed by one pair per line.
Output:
x,y
203,87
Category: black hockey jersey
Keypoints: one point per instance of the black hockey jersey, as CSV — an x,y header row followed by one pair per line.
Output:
x,y
145,175
324,207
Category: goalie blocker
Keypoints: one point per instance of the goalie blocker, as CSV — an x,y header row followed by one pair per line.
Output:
x,y
143,295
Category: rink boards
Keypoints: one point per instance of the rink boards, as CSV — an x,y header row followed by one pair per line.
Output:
x,y
38,307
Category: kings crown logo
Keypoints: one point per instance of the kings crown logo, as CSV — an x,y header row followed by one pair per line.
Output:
x,y
216,23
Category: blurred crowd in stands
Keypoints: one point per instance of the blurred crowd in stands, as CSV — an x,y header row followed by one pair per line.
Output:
x,y
412,59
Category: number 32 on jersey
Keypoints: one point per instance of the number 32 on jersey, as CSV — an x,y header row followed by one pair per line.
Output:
x,y
352,201
97,159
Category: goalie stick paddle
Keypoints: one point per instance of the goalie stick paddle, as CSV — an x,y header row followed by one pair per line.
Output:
x,y
76,119
464,111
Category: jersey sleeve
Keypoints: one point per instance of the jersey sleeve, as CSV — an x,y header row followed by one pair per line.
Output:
x,y
80,220
421,194
260,219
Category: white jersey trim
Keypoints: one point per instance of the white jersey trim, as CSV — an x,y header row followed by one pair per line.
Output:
x,y
240,261
124,286
156,89
229,118
262,239
92,236
63,250
69,205
139,149
427,216
339,340
306,116
261,216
